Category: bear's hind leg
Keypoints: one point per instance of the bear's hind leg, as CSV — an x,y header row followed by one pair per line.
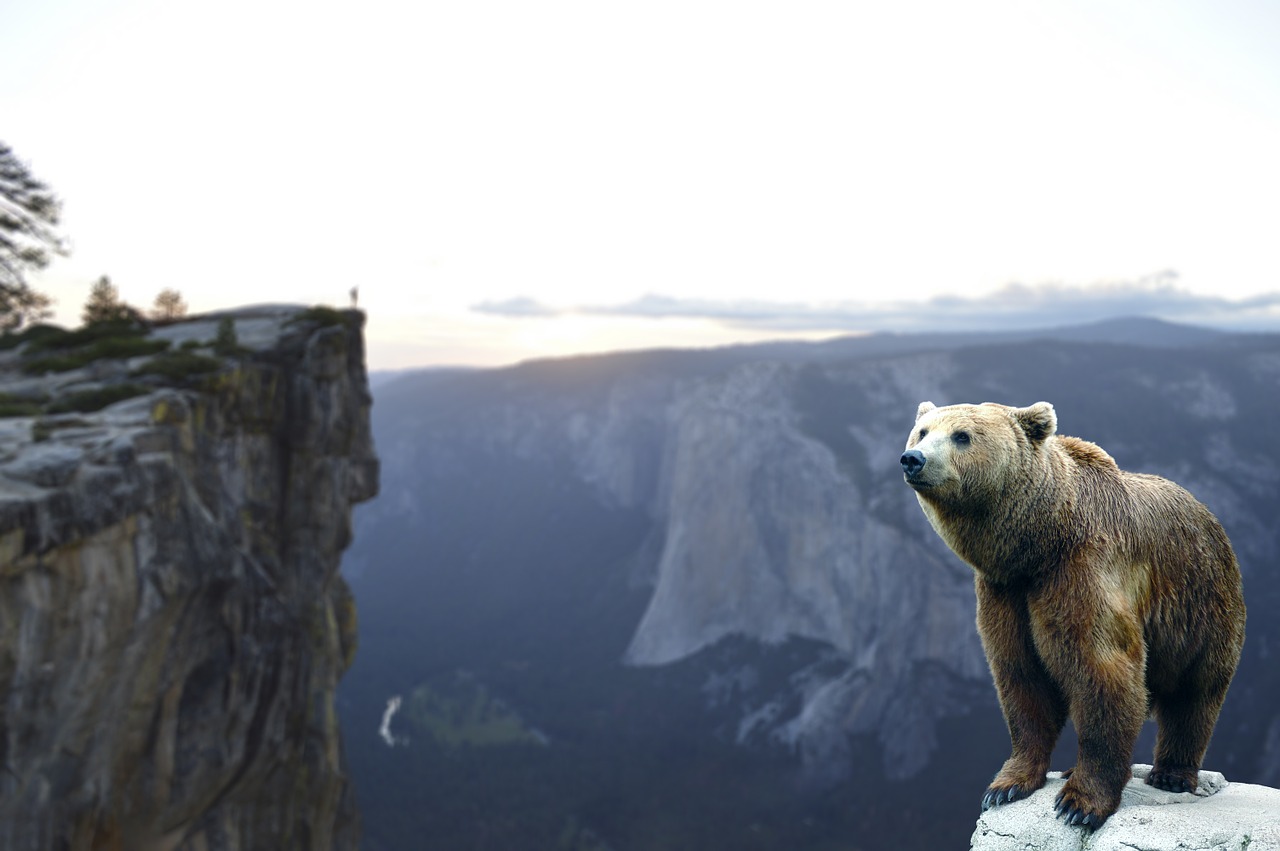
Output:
x,y
1185,720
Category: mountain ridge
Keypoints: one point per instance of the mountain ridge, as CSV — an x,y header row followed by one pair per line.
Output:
x,y
771,549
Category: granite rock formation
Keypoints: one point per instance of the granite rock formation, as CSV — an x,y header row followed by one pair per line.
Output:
x,y
1219,815
771,478
727,530
172,621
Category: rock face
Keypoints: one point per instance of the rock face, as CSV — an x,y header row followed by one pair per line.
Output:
x,y
172,620
768,534
1221,816
772,481
731,531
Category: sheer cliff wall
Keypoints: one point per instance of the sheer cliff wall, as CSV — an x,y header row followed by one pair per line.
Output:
x,y
172,620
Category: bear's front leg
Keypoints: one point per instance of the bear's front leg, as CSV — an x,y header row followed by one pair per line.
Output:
x,y
1034,708
1099,658
1108,726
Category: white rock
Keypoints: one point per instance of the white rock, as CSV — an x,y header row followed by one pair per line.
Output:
x,y
1219,816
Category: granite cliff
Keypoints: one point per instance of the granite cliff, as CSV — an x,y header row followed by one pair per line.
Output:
x,y
172,621
705,565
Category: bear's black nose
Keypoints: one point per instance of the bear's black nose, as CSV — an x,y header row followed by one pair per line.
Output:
x,y
912,461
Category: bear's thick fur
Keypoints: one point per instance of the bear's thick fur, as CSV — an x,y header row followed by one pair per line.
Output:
x,y
1103,595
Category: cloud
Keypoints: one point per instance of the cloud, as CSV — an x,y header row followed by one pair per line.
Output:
x,y
1016,305
519,306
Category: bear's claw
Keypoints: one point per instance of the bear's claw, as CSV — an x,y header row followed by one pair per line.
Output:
x,y
1003,795
1072,814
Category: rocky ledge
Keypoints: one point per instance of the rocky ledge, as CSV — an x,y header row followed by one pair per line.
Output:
x,y
173,505
1218,816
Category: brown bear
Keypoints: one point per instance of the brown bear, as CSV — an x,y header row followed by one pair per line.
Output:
x,y
1104,595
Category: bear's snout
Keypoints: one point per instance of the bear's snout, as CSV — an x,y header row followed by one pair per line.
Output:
x,y
912,462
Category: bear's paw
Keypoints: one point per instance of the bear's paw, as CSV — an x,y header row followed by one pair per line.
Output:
x,y
1173,779
1074,807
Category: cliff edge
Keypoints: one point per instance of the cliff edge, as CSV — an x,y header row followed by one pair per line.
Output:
x,y
1218,816
172,621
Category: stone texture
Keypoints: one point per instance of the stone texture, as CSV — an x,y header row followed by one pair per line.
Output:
x,y
1219,816
172,621
761,530
778,510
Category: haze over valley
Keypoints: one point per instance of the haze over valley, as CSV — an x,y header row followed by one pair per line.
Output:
x,y
683,598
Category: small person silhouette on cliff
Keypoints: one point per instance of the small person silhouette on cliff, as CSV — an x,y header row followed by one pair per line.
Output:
x,y
355,295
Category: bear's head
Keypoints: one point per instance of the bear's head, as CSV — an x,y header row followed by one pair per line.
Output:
x,y
962,454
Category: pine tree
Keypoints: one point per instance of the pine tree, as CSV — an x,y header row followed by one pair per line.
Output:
x,y
226,343
104,304
169,306
28,215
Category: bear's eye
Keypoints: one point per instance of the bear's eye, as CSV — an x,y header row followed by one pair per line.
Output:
x,y
923,432
961,438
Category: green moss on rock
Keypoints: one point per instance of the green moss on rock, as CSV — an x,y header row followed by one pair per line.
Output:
x,y
84,401
108,347
179,365
321,315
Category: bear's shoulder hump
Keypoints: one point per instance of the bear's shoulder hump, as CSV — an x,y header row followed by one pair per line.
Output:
x,y
1086,454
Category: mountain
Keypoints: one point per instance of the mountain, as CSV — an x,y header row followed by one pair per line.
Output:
x,y
696,585
172,620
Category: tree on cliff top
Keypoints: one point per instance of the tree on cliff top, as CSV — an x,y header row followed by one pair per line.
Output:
x,y
104,305
169,305
29,213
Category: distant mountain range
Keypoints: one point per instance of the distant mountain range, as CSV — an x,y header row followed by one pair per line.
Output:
x,y
682,599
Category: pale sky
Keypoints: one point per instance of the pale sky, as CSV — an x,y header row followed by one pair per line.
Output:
x,y
506,180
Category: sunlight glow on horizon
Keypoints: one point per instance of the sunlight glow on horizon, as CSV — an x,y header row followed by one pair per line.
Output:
x,y
446,155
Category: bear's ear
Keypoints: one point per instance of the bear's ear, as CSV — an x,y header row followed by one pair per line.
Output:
x,y
1038,421
925,407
